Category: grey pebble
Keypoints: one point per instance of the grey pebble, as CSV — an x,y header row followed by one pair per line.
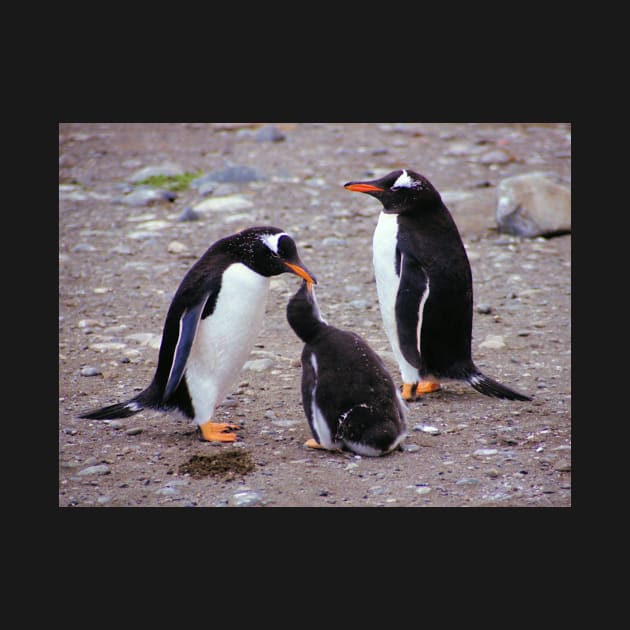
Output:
x,y
425,428
99,469
134,431
83,247
188,214
259,365
269,133
484,309
121,249
147,195
410,448
467,481
167,169
485,452
166,491
333,240
88,370
359,304
245,499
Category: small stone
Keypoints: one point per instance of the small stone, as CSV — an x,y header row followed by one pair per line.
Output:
x,y
105,346
359,304
166,491
563,467
423,490
410,448
145,196
168,169
485,452
134,431
259,365
493,342
426,428
224,204
496,156
467,481
269,133
88,370
188,214
175,247
98,469
484,309
83,247
245,499
333,240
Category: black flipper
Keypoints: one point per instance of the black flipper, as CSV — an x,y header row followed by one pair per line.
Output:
x,y
411,290
188,324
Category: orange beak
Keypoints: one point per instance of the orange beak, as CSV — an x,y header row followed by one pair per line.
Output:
x,y
300,271
360,187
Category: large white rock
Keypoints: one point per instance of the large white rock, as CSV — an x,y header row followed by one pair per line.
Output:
x,y
533,205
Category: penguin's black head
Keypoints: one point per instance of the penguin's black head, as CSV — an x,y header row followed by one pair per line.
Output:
x,y
269,251
400,191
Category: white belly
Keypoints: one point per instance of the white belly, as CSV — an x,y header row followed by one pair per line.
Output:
x,y
224,339
387,282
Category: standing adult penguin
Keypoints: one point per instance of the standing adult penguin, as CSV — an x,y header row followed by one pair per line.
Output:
x,y
424,285
211,326
349,397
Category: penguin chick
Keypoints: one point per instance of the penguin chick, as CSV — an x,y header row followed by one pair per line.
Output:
x,y
349,397
211,326
424,285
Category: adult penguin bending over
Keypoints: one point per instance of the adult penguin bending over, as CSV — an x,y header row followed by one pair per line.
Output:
x,y
211,326
424,286
349,398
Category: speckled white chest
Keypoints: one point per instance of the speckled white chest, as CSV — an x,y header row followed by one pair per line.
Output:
x,y
224,339
387,283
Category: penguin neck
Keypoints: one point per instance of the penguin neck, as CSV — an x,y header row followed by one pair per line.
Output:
x,y
304,316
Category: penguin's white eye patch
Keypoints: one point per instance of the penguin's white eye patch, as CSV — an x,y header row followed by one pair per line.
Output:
x,y
271,241
404,181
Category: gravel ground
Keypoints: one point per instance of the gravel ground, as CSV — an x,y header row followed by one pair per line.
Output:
x,y
121,259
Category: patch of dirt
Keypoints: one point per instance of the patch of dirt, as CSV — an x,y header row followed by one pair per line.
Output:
x,y
119,266
227,464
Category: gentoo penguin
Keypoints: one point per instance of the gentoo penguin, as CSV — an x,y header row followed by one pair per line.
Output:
x,y
424,286
349,398
211,326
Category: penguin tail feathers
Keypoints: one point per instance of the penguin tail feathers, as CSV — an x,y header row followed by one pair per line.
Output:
x,y
489,387
119,410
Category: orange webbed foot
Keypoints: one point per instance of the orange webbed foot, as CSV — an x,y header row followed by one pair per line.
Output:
x,y
426,387
217,431
312,443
